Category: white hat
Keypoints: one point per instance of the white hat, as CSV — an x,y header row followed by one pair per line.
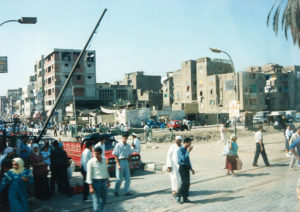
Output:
x,y
178,137
134,134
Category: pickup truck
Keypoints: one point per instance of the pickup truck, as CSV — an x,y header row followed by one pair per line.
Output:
x,y
74,150
177,125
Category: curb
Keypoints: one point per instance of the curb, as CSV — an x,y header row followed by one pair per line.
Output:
x,y
155,167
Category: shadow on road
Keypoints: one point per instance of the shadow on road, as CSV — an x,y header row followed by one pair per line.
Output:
x,y
209,192
252,175
217,199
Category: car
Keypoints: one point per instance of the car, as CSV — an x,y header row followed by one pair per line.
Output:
x,y
75,149
177,125
153,124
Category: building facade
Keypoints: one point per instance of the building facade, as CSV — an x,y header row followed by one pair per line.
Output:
x,y
57,67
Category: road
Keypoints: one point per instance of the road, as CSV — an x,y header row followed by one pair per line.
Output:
x,y
254,189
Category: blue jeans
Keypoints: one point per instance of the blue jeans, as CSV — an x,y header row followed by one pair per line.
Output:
x,y
123,173
100,194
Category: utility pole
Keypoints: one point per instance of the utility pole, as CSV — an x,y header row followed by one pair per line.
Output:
x,y
70,77
74,109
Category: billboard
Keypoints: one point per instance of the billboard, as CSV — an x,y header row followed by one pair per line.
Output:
x,y
3,64
229,85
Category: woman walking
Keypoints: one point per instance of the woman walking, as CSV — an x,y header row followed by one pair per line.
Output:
x,y
231,162
17,179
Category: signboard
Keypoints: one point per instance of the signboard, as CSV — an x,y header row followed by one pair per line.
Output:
x,y
3,64
229,85
234,108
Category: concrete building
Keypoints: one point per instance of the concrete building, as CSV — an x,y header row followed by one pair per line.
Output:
x,y
115,94
296,71
3,105
39,89
146,89
168,88
279,87
57,66
251,91
28,98
14,97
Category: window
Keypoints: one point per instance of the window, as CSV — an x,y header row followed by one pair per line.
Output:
x,y
49,80
253,89
49,69
201,93
212,102
252,101
49,92
211,91
66,64
49,102
66,76
89,65
279,89
89,77
78,77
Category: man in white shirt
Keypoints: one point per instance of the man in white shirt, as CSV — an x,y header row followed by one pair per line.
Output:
x,y
260,148
101,144
146,132
136,143
294,137
172,165
287,134
98,179
122,152
85,157
222,134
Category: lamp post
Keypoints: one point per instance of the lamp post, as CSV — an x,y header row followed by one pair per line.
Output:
x,y
234,79
23,20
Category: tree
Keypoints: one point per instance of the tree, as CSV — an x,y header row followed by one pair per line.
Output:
x,y
290,18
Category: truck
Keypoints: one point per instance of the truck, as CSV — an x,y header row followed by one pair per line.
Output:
x,y
260,117
75,149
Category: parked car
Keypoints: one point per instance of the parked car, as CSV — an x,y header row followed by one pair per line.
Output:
x,y
177,125
297,118
74,150
154,124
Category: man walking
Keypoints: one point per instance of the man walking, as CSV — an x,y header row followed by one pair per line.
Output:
x,y
293,143
98,179
85,157
136,143
101,144
122,152
172,165
260,148
222,134
287,134
184,170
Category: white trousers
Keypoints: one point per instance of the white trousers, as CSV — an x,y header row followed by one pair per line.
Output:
x,y
223,138
175,179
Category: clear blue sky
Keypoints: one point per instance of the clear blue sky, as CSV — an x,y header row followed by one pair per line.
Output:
x,y
154,36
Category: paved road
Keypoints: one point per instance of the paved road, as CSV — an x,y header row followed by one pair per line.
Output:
x,y
255,189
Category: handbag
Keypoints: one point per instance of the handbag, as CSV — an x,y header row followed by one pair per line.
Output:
x,y
239,164
226,150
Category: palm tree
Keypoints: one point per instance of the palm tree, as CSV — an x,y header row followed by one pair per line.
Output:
x,y
290,18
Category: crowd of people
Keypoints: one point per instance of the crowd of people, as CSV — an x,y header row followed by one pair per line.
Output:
x,y
30,163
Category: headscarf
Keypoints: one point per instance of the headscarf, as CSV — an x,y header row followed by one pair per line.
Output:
x,y
8,150
35,146
20,162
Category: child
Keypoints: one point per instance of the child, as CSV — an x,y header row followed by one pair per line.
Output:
x,y
46,155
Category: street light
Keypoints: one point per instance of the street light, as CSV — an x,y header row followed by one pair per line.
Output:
x,y
23,20
234,79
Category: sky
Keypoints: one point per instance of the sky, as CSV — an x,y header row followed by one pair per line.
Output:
x,y
152,36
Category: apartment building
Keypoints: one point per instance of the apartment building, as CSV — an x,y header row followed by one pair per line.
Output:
x,y
279,88
57,66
